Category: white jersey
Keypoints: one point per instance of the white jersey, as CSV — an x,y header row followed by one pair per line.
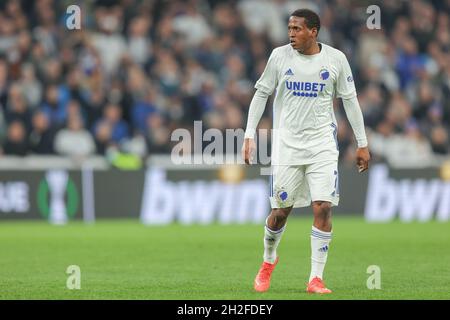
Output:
x,y
305,128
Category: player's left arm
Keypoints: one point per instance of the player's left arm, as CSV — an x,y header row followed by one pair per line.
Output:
x,y
345,89
355,117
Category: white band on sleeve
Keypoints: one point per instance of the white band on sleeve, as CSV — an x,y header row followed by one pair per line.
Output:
x,y
255,112
355,117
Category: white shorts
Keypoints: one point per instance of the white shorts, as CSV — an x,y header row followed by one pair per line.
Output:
x,y
298,186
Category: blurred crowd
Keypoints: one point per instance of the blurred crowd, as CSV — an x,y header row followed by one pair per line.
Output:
x,y
137,70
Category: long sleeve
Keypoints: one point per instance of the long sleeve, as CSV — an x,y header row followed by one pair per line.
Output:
x,y
265,86
355,117
345,89
255,112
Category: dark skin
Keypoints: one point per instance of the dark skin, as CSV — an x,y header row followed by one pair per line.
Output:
x,y
304,40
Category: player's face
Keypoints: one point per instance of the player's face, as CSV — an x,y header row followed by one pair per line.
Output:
x,y
300,36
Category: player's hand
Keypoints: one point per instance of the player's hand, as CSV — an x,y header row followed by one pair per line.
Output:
x,y
248,150
362,159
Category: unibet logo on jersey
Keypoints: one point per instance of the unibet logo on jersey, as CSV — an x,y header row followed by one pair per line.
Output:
x,y
307,89
304,89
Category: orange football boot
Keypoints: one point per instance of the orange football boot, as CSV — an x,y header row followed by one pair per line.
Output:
x,y
316,285
262,280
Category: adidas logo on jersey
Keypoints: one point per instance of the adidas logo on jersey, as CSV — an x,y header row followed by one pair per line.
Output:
x,y
289,73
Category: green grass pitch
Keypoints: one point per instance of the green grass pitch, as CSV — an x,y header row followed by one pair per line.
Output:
x,y
122,259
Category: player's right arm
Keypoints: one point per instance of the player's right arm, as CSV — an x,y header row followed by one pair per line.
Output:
x,y
264,88
255,112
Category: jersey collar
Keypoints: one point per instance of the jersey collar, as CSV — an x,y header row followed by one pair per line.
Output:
x,y
311,56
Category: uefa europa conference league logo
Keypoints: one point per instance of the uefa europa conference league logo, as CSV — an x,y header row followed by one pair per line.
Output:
x,y
57,197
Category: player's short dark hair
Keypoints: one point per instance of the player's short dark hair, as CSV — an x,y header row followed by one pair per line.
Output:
x,y
312,19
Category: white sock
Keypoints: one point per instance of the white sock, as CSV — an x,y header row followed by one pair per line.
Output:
x,y
271,240
320,243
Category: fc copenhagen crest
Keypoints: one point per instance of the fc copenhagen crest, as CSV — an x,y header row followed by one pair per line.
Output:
x,y
281,195
324,74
